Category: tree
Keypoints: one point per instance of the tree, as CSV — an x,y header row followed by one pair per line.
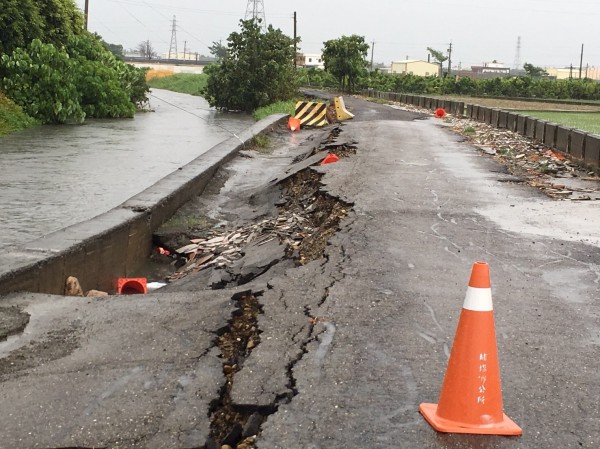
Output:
x,y
20,23
146,50
533,71
438,57
115,49
50,21
218,50
345,59
257,70
62,20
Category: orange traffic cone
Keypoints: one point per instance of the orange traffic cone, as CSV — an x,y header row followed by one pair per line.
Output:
x,y
440,112
471,396
131,286
331,157
293,124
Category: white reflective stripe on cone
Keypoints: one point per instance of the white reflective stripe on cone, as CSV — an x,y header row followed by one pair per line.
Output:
x,y
478,299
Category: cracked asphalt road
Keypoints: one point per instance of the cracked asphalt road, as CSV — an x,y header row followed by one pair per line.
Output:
x,y
351,344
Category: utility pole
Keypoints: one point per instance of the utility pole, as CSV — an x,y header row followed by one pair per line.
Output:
x,y
581,62
372,53
450,59
184,49
86,13
295,41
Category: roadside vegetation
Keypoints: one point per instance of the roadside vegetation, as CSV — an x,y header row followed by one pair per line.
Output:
x,y
58,72
522,86
12,117
280,107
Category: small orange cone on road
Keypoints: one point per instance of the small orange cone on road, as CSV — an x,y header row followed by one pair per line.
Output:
x,y
132,286
440,112
471,396
293,124
331,157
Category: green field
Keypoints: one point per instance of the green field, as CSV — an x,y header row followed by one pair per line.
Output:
x,y
185,83
587,121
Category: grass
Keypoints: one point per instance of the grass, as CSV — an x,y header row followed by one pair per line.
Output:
x,y
281,107
185,83
587,121
12,117
262,144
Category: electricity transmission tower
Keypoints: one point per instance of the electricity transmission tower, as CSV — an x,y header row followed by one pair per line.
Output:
x,y
256,10
173,47
517,64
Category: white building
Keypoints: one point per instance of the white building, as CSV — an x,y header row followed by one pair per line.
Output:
x,y
311,60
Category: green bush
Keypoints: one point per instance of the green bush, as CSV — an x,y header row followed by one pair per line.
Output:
x,y
41,80
66,85
12,117
257,70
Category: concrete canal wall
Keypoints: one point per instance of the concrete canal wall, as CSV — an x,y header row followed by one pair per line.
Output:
x,y
580,145
116,243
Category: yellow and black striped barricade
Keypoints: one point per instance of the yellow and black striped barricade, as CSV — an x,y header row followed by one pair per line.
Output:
x,y
341,111
311,113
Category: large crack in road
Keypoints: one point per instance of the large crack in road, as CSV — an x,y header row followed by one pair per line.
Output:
x,y
252,391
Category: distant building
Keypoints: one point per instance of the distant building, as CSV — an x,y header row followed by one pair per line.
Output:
x,y
310,60
184,56
491,68
415,67
566,73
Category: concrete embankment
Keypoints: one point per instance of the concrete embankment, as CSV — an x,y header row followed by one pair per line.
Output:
x,y
116,243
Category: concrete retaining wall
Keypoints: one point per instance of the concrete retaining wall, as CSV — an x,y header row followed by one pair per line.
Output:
x,y
116,243
577,143
592,150
580,145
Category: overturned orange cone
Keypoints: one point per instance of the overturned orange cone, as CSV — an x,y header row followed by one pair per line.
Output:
x,y
132,286
293,124
331,157
471,396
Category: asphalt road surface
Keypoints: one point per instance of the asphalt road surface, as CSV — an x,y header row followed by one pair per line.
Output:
x,y
351,344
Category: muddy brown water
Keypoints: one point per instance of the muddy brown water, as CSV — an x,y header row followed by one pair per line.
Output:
x,y
55,176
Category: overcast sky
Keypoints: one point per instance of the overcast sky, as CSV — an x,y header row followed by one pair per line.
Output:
x,y
551,31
